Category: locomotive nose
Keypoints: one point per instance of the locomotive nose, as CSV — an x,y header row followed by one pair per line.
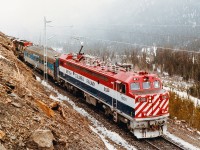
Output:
x,y
152,105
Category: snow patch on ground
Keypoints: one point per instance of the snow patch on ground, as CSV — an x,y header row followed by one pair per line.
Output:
x,y
108,145
2,57
38,79
98,127
182,142
47,85
198,132
54,98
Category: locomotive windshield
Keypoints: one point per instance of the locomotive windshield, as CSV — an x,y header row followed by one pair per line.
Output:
x,y
135,86
156,84
146,85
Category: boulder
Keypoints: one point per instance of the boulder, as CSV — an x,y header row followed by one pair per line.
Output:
x,y
2,147
2,134
48,111
43,138
18,105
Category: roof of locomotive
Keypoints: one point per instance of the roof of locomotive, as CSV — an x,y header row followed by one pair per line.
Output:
x,y
40,50
122,75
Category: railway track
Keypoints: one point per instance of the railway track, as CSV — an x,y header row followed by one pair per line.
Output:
x,y
172,142
160,143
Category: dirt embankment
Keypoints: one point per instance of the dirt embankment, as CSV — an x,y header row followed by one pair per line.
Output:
x,y
26,120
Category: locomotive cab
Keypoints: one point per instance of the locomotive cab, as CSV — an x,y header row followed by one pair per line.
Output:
x,y
148,92
151,106
145,85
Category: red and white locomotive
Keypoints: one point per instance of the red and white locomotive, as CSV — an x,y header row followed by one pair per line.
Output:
x,y
135,98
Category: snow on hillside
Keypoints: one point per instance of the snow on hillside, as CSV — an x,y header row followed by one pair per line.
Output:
x,y
195,100
180,88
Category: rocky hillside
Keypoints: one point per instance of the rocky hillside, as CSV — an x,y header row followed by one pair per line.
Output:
x,y
29,119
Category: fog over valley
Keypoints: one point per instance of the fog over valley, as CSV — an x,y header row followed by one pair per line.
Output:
x,y
165,23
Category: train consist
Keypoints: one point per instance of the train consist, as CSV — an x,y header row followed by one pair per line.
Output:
x,y
134,98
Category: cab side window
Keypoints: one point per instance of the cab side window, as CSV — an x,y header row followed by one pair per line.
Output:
x,y
121,88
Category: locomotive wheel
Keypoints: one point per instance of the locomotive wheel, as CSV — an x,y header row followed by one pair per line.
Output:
x,y
128,126
67,87
107,111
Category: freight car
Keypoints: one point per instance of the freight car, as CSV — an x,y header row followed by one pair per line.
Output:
x,y
134,98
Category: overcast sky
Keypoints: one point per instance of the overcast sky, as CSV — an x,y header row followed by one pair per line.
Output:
x,y
25,18
20,16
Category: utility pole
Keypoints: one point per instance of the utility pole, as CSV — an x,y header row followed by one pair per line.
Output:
x,y
45,51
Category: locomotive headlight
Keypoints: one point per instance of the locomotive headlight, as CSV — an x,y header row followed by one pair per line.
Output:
x,y
150,99
164,96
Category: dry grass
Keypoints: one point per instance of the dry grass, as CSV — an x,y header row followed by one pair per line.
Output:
x,y
184,109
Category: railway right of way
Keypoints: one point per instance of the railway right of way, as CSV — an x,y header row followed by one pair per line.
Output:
x,y
159,143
